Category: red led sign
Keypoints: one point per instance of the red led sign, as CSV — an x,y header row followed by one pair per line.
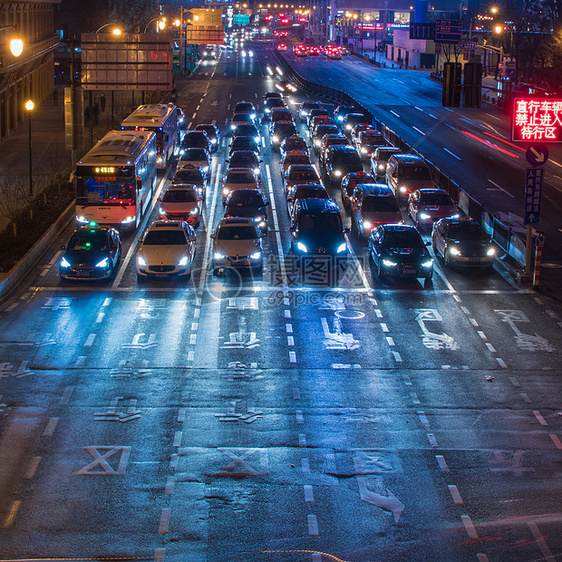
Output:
x,y
537,119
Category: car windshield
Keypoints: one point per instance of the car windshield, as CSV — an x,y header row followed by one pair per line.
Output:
x,y
244,107
435,199
243,144
321,222
188,176
470,231
275,102
413,172
285,129
244,117
179,196
350,161
306,175
380,205
296,144
243,161
195,154
372,139
240,177
322,130
88,241
243,198
247,130
237,233
164,238
307,192
297,159
209,130
402,239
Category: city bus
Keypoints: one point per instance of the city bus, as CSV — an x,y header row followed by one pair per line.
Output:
x,y
116,179
161,119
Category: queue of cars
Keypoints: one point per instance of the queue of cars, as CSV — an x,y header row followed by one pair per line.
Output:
x,y
342,141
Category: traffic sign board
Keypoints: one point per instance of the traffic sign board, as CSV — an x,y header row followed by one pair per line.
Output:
x,y
448,31
537,154
533,193
537,119
468,45
422,31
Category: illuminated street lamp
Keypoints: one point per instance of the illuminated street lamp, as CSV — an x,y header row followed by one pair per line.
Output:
x,y
115,30
30,106
160,25
16,47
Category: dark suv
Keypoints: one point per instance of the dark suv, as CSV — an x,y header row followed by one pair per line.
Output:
x,y
340,161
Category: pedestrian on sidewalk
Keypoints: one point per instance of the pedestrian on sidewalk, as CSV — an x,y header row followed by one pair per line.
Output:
x,y
102,103
55,97
96,112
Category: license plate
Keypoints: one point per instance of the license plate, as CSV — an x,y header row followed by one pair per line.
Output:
x,y
82,274
161,275
474,260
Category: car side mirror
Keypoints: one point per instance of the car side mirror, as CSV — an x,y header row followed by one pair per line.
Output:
x,y
267,203
139,239
213,236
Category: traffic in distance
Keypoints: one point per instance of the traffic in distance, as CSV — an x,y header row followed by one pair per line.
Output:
x,y
339,152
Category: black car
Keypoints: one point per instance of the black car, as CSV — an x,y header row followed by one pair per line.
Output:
x,y
462,241
196,139
340,161
397,250
294,142
192,175
247,203
341,111
247,131
317,229
213,134
280,131
244,143
270,104
92,252
244,159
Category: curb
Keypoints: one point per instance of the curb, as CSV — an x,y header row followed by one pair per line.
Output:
x,y
9,281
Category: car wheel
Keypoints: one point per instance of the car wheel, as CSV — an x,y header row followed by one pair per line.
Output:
x,y
380,273
140,279
428,282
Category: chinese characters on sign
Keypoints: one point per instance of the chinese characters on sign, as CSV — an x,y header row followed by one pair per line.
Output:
x,y
533,190
537,119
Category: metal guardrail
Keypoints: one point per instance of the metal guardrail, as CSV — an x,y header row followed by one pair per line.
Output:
x,y
510,242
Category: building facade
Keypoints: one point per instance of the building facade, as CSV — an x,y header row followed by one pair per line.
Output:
x,y
31,74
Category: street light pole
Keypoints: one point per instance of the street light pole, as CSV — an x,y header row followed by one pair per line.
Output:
x,y
29,105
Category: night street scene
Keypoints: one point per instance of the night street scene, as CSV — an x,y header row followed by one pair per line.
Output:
x,y
281,282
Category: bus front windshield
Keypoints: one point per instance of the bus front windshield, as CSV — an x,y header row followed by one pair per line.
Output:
x,y
90,190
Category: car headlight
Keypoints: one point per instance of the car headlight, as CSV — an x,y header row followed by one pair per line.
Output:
x,y
367,225
389,263
302,247
424,216
161,211
267,110
340,118
103,263
232,126
195,211
64,262
183,261
257,139
205,169
337,173
262,224
182,151
253,115
454,251
225,191
213,141
403,189
491,252
275,138
363,150
348,127
218,256
81,219
341,248
381,166
317,142
141,260
427,263
129,219
257,170
255,255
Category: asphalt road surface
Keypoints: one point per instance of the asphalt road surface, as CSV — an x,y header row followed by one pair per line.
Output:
x,y
288,417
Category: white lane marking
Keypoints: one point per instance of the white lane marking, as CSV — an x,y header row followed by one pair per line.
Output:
x,y
66,395
50,427
359,267
455,494
292,357
501,362
390,341
302,440
210,225
192,339
419,108
287,314
164,521
100,317
312,525
378,313
170,485
12,512
418,130
431,115
177,438
473,322
432,440
525,397
514,382
442,463
159,554
296,394
555,440
80,361
491,348
384,327
451,153
540,419
305,466
90,340
290,341
308,494
482,335
468,525
394,113
500,188
415,398
423,419
289,328
300,417
539,537
280,251
397,357
32,469
493,116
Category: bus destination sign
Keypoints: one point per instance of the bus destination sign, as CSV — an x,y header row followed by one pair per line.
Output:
x,y
537,119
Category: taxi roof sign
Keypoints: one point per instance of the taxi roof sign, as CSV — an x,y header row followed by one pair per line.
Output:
x,y
537,119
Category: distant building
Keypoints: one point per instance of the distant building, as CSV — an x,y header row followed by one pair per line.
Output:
x,y
30,75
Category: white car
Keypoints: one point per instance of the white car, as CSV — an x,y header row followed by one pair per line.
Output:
x,y
181,202
237,244
167,250
238,178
